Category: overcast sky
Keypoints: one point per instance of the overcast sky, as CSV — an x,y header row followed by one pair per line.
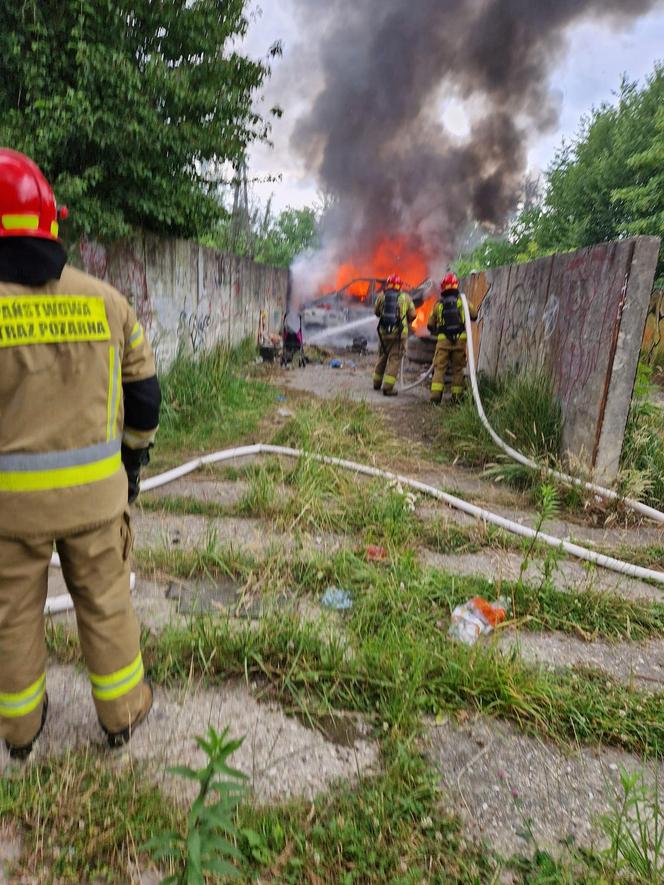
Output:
x,y
588,75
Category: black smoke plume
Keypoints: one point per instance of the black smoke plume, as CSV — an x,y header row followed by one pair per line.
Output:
x,y
374,136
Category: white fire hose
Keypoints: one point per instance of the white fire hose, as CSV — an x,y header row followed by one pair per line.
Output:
x,y
64,602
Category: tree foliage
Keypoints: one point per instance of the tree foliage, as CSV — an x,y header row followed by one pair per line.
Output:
x,y
124,104
608,183
267,238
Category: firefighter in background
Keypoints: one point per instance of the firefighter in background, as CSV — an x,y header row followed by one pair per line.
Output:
x,y
395,310
79,408
447,324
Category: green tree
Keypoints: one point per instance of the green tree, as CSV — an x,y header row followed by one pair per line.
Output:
x,y
131,109
293,231
642,203
606,184
266,238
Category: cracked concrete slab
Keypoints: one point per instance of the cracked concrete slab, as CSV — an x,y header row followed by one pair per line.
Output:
x,y
215,491
281,757
154,531
500,565
638,664
500,780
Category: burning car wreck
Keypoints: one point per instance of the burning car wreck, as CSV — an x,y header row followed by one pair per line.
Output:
x,y
344,317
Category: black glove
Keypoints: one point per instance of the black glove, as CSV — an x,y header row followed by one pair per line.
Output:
x,y
133,460
134,480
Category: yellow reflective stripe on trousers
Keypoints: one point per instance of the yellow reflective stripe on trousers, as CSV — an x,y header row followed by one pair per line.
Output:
x,y
40,472
436,387
13,705
136,336
115,685
389,379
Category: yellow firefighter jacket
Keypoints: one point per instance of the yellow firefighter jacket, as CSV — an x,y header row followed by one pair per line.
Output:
x,y
66,348
405,307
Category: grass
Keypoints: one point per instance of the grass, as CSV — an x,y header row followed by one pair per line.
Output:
x,y
537,605
210,401
522,409
388,828
642,460
82,820
400,672
339,427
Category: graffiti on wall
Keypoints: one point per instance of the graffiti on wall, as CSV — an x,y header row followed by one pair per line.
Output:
x,y
194,327
563,314
119,265
186,294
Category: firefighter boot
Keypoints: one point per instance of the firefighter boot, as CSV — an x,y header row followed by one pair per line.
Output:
x,y
21,753
119,738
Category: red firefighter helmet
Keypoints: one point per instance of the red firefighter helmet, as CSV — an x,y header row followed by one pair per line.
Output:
x,y
449,281
394,281
27,202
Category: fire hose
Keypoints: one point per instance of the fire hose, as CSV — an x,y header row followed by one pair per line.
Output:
x,y
64,602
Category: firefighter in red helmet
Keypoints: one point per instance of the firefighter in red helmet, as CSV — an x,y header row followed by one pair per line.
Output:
x,y
395,310
79,408
447,323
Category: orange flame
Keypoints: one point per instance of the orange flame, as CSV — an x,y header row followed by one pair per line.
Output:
x,y
390,256
423,313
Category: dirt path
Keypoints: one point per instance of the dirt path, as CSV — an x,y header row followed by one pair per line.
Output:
x,y
411,418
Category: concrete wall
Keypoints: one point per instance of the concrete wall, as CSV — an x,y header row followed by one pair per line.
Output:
x,y
581,317
187,295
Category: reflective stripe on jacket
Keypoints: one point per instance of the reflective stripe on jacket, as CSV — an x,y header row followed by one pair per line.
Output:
x,y
66,349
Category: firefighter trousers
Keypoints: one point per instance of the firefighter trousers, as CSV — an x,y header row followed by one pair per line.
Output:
x,y
448,353
387,367
96,569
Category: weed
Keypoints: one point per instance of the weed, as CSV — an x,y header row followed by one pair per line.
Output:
x,y
635,828
642,460
339,427
207,403
388,828
261,495
428,593
524,412
404,667
211,831
83,819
